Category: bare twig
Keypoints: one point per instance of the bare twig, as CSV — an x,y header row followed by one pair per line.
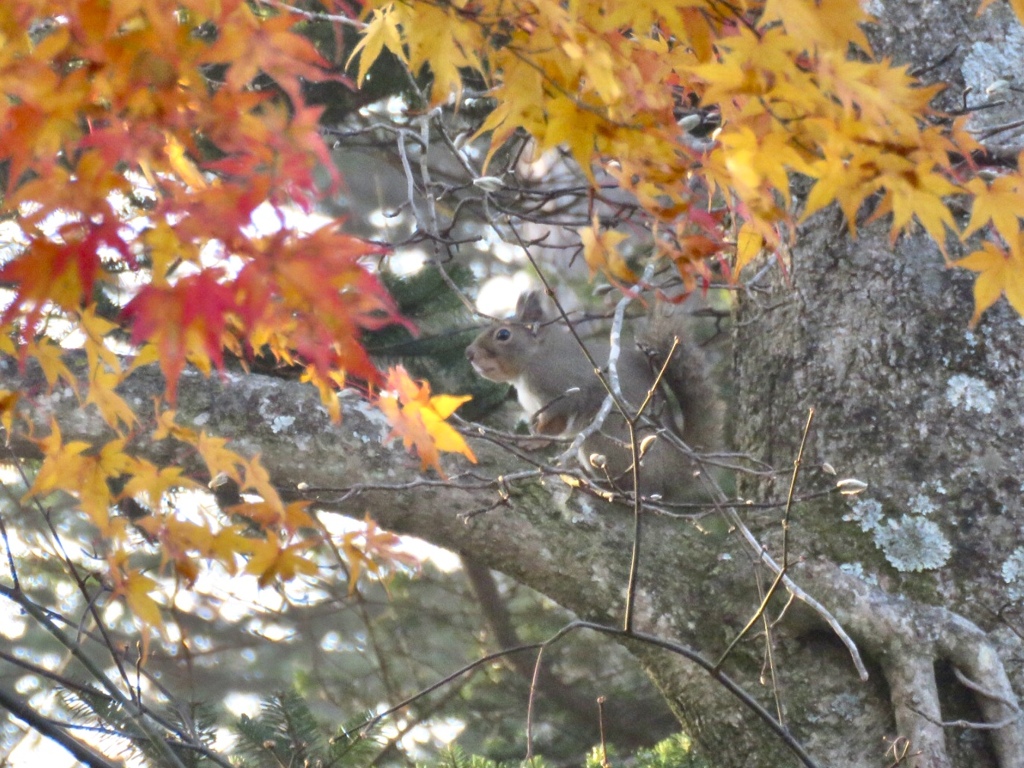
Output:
x,y
988,694
530,700
996,130
634,562
781,573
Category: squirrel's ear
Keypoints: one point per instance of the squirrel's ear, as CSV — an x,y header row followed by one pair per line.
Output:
x,y
531,308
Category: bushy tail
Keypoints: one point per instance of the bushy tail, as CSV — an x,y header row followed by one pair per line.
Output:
x,y
686,377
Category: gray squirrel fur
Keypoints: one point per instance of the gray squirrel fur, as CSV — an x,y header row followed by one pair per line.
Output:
x,y
557,387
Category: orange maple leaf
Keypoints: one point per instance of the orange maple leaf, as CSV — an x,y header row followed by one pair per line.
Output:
x,y
178,540
311,296
419,419
252,46
374,549
8,403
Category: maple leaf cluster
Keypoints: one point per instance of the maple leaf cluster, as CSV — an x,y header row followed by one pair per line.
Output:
x,y
794,86
138,141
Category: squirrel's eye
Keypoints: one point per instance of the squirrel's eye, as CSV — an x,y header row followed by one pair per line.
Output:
x,y
503,334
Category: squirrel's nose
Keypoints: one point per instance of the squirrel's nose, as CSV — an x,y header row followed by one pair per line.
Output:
x,y
469,354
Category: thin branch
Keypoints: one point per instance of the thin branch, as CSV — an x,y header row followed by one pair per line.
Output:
x,y
978,688
317,15
800,594
996,130
529,702
7,546
82,752
131,706
634,562
781,574
968,723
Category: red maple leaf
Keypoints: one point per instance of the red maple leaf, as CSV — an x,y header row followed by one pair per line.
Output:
x,y
184,321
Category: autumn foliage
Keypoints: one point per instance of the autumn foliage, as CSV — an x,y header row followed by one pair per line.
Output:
x,y
794,84
139,138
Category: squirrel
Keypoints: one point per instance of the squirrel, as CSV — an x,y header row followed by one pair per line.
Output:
x,y
561,393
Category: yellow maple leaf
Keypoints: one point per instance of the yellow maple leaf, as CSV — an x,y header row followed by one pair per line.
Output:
x,y
166,427
138,589
135,588
218,457
95,327
328,387
50,357
920,194
602,254
257,479
297,517
419,419
758,164
270,561
154,482
63,464
181,163
147,355
999,272
1001,202
91,481
748,64
521,97
820,23
264,514
568,123
749,244
380,33
229,542
112,407
439,40
599,68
